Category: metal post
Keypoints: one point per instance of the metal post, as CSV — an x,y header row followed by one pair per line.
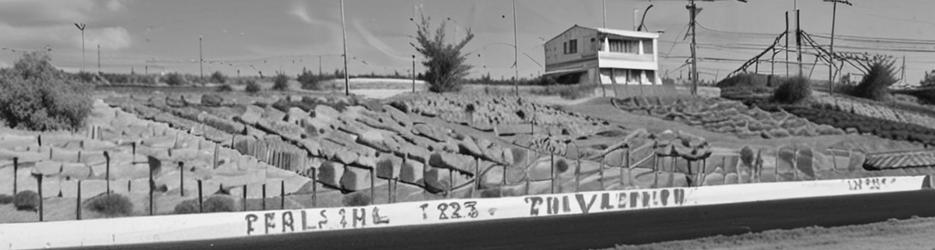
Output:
x,y
282,194
107,171
78,203
263,195
347,80
515,53
314,187
552,171
413,73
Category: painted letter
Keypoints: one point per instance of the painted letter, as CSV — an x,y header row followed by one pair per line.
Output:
x,y
585,208
534,203
251,218
270,221
287,221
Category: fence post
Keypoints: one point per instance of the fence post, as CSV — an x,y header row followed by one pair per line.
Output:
x,y
244,200
41,208
201,208
373,183
282,194
15,170
107,171
552,171
263,195
78,206
182,178
314,187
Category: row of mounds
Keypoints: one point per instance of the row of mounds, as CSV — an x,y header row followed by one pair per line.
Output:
x,y
876,110
724,116
853,123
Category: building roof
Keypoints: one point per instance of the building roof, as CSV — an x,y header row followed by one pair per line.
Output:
x,y
626,33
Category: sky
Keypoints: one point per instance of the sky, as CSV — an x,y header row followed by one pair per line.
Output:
x,y
288,35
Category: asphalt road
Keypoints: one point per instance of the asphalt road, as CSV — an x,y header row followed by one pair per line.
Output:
x,y
598,230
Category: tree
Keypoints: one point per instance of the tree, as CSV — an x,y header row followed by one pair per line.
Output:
x,y
445,63
218,77
880,75
281,81
35,95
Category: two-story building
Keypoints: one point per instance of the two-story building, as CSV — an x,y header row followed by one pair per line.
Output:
x,y
606,56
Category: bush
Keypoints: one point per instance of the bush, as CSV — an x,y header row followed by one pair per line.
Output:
x,y
214,204
281,82
36,96
309,80
218,77
212,100
186,207
356,200
175,79
793,90
253,87
875,84
746,156
219,203
110,205
5,199
26,200
225,88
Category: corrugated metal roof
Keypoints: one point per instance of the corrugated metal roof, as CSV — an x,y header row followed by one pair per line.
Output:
x,y
904,159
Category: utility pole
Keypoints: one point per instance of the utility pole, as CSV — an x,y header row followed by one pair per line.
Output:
x,y
347,80
692,11
902,76
834,14
201,60
413,73
798,39
81,27
515,53
319,65
787,44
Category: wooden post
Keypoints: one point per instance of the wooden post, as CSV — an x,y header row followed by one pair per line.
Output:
x,y
373,183
182,179
552,171
78,203
41,208
201,208
451,183
133,151
152,185
282,194
244,200
107,171
15,170
263,195
314,187
476,173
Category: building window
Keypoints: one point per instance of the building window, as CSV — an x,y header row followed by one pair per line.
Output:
x,y
573,46
565,48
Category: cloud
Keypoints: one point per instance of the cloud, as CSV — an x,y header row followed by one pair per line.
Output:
x,y
376,43
111,38
299,10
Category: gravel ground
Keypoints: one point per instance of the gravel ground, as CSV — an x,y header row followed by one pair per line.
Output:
x,y
915,233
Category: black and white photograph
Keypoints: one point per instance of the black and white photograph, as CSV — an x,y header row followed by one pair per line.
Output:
x,y
467,124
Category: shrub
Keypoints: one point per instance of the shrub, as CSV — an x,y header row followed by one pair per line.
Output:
x,y
5,199
356,200
219,203
225,88
875,84
793,90
446,64
186,207
110,205
26,200
218,77
175,79
36,96
281,81
309,80
253,87
212,100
